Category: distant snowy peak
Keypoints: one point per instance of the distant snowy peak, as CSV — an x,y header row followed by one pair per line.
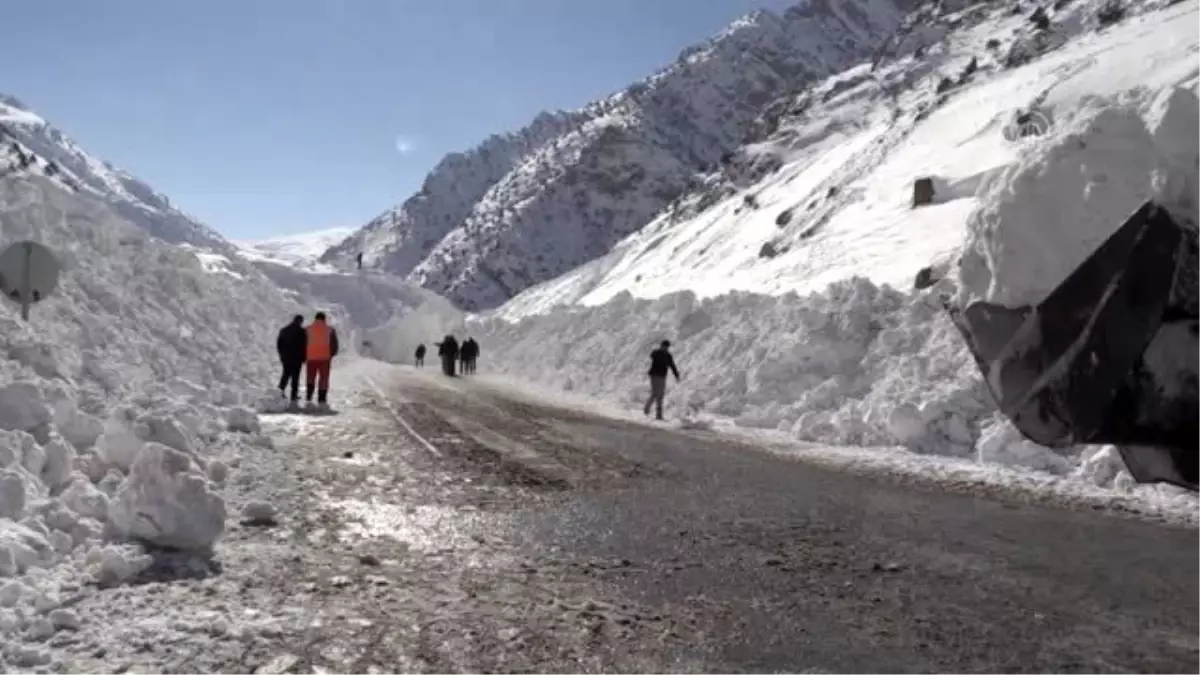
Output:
x,y
128,196
296,250
525,207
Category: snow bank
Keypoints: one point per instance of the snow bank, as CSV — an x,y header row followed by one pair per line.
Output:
x,y
121,402
858,364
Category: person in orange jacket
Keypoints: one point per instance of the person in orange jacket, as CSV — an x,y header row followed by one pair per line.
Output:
x,y
322,347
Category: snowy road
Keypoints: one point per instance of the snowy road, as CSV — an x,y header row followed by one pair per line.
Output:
x,y
437,525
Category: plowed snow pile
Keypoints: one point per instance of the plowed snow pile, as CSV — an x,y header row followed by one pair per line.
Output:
x,y
122,405
861,363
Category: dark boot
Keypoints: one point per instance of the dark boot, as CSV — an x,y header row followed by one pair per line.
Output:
x,y
308,392
322,395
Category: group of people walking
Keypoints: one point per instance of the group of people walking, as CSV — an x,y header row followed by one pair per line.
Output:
x,y
313,346
316,344
450,352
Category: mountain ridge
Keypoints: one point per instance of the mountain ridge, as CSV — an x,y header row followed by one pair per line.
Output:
x,y
128,196
567,187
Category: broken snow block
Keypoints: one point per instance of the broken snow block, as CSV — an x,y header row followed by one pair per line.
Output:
x,y
168,501
768,250
922,192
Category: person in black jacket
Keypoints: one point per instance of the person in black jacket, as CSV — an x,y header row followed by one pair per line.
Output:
x,y
419,356
469,353
292,344
661,361
448,350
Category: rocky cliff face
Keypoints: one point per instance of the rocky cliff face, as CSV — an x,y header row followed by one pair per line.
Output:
x,y
526,207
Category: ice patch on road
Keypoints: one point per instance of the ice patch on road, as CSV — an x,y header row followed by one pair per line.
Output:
x,y
423,528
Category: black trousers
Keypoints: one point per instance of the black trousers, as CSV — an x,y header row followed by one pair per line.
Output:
x,y
291,374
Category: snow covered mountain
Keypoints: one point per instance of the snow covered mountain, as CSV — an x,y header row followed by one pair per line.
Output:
x,y
129,197
801,281
525,207
823,190
297,250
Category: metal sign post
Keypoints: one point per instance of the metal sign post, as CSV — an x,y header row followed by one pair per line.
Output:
x,y
26,279
28,274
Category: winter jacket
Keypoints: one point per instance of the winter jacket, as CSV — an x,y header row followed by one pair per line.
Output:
x,y
661,362
470,349
420,351
292,343
448,348
322,342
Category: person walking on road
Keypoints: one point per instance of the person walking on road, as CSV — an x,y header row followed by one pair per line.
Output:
x,y
661,362
470,352
321,348
419,356
448,351
292,345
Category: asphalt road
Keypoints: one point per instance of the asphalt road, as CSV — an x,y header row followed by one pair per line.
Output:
x,y
438,525
763,563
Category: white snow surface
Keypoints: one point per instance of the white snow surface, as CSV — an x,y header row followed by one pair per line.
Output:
x,y
125,400
814,340
300,251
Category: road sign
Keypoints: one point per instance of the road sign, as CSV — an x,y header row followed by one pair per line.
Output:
x,y
28,274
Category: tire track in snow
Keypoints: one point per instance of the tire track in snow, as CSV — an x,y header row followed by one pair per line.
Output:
x,y
387,405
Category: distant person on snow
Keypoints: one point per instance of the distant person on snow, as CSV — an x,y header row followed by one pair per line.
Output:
x,y
322,347
661,361
292,345
419,357
358,258
448,351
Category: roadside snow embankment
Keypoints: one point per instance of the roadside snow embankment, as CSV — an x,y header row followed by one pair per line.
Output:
x,y
860,364
122,405
857,364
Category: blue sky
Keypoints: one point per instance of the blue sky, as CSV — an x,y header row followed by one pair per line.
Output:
x,y
266,117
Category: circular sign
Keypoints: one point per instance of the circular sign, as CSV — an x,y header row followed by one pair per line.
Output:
x,y
28,272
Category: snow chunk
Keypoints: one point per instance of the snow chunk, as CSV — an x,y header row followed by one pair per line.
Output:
x,y
64,619
60,461
243,420
258,513
1101,466
85,499
1039,219
165,430
79,428
1001,443
26,546
12,495
118,446
115,564
167,500
22,407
